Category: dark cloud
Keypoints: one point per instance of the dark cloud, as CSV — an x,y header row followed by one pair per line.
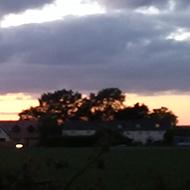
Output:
x,y
126,50
91,40
9,6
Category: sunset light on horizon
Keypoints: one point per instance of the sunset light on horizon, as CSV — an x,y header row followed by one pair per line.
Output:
x,y
12,104
141,47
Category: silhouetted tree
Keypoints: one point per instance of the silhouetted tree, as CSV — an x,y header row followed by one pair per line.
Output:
x,y
33,113
132,113
84,110
164,112
61,105
168,136
48,127
100,106
106,103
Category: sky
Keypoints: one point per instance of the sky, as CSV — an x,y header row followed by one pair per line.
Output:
x,y
141,47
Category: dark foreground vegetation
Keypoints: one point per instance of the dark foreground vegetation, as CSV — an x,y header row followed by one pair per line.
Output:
x,y
136,168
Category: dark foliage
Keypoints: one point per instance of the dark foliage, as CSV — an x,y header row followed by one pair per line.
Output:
x,y
164,112
107,104
131,113
48,127
168,136
66,105
26,178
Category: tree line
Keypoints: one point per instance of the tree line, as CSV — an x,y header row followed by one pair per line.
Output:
x,y
106,104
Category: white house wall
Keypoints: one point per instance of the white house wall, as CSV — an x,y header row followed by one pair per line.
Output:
x,y
143,136
4,135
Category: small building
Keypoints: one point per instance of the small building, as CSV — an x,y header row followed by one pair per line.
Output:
x,y
145,130
22,131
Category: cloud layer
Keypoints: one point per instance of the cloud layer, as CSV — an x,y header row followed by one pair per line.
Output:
x,y
10,7
128,4
125,49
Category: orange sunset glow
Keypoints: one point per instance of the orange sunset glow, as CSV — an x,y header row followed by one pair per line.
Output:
x,y
12,104
178,104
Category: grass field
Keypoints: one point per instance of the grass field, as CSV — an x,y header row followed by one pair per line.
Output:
x,y
125,168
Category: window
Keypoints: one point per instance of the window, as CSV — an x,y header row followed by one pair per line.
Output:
x,y
31,129
16,129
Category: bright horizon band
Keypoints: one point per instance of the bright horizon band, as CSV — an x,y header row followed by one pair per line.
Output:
x,y
12,104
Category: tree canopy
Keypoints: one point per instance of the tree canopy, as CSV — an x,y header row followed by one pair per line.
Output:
x,y
164,112
131,113
61,105
107,104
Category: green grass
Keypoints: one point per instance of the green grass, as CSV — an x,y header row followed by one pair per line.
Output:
x,y
122,165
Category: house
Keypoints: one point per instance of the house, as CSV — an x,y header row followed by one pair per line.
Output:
x,y
22,131
145,130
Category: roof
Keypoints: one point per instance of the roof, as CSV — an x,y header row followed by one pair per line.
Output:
x,y
20,128
132,125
